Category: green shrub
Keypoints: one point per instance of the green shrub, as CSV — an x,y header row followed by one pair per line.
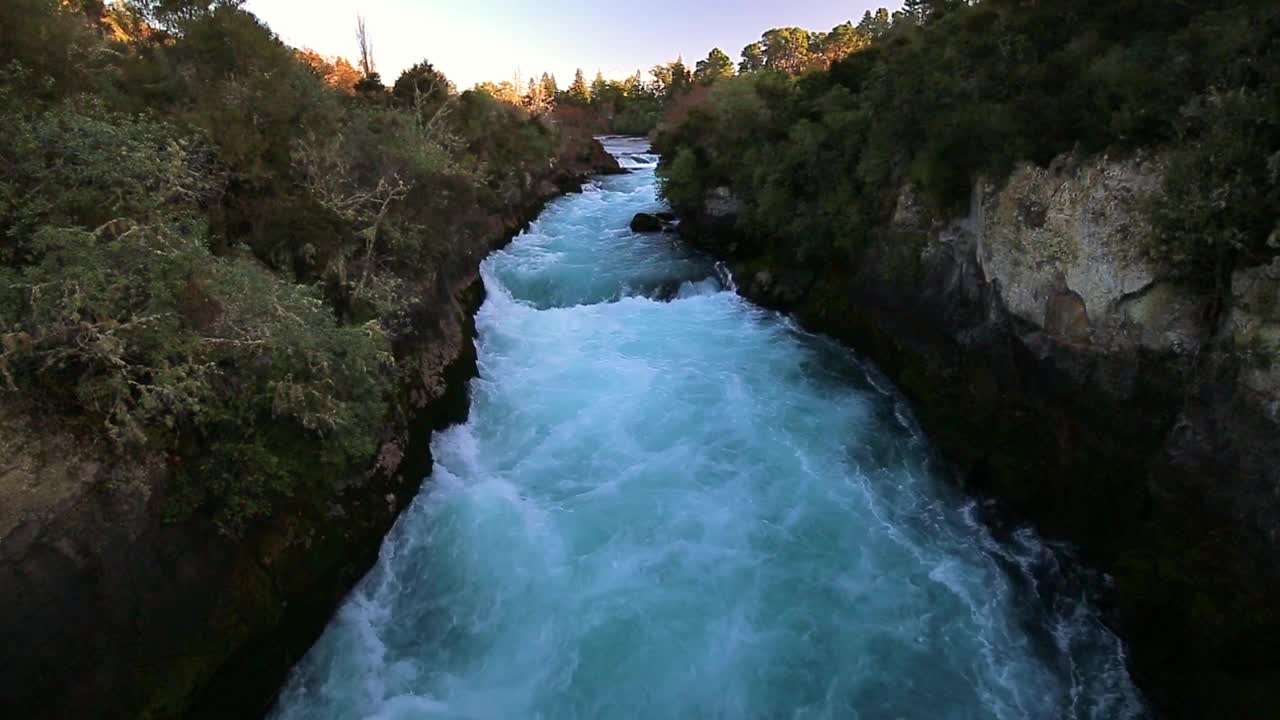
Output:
x,y
82,165
1216,210
92,326
205,250
297,399
162,346
817,160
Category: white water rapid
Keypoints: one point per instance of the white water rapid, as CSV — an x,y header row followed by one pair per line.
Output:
x,y
668,503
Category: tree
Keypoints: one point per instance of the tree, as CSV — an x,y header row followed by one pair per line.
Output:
x,y
337,73
681,78
608,96
506,91
578,93
716,66
752,58
365,44
787,50
634,85
536,99
371,83
875,26
671,79
422,85
917,10
549,88
599,87
171,15
343,77
842,41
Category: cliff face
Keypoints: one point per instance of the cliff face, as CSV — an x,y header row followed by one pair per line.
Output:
x,y
110,611
1089,391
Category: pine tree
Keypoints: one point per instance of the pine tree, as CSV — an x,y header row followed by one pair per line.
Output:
x,y
716,66
422,84
671,79
787,49
875,25
842,41
579,93
536,99
917,10
752,58
634,85
681,78
549,88
599,87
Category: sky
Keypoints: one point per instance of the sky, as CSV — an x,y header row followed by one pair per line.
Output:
x,y
477,40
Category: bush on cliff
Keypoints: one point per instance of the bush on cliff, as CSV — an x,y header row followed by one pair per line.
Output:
x,y
1217,210
817,160
207,253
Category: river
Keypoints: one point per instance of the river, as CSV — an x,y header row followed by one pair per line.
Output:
x,y
669,503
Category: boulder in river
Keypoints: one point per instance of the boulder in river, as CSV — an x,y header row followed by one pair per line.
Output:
x,y
646,223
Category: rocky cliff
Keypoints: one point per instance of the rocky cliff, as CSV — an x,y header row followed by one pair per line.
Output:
x,y
110,611
1088,390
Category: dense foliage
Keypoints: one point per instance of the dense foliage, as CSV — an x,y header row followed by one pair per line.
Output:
x,y
634,106
949,91
209,241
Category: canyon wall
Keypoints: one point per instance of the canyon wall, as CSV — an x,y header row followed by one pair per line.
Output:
x,y
1088,390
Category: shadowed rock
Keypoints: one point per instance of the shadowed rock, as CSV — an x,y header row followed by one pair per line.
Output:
x,y
646,223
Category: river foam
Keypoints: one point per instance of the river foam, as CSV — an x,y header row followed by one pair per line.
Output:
x,y
668,503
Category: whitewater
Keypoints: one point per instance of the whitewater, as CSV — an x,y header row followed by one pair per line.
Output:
x,y
669,503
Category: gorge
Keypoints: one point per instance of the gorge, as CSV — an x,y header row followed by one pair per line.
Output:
x,y
928,366
670,503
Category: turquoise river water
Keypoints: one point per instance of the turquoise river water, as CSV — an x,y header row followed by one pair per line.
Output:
x,y
669,503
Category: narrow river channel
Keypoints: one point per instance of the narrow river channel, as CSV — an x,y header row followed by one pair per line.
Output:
x,y
669,503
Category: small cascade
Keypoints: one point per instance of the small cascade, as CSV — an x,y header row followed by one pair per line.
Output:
x,y
725,276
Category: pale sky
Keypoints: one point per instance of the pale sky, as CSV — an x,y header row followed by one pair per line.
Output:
x,y
477,40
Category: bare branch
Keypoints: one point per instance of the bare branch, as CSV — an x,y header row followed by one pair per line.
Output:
x,y
366,46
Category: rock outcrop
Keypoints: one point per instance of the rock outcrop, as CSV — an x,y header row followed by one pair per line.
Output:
x,y
1089,390
646,223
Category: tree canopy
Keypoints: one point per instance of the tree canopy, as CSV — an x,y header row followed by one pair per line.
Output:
x,y
578,93
949,91
716,66
233,239
422,84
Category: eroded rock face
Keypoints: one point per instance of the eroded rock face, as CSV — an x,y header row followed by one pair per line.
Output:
x,y
1090,391
1062,251
1066,247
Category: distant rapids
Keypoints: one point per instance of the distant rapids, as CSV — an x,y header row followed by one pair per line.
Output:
x,y
669,503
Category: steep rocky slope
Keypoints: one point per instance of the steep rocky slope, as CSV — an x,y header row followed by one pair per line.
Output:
x,y
1088,390
110,611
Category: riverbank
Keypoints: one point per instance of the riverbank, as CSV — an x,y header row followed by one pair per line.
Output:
x,y
1087,391
114,611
